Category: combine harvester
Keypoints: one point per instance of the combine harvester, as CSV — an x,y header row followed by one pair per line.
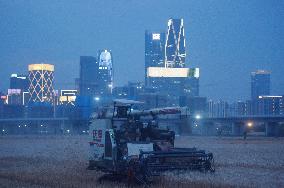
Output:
x,y
129,143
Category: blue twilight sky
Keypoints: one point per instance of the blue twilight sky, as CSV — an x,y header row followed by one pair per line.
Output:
x,y
227,39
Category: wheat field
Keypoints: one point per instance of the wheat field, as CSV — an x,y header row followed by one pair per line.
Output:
x,y
61,161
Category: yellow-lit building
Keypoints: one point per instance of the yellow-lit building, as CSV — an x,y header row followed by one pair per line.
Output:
x,y
41,78
174,81
68,96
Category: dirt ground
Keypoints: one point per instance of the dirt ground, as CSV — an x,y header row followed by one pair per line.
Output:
x,y
61,161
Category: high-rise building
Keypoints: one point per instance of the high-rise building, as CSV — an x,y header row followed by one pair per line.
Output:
x,y
191,85
242,108
166,73
105,73
270,105
88,76
19,82
174,81
130,91
197,105
15,97
19,86
120,92
96,77
3,99
260,84
41,83
154,50
218,108
175,44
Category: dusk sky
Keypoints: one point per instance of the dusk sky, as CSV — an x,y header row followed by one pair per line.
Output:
x,y
227,39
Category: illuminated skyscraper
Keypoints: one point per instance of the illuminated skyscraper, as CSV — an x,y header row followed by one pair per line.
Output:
x,y
165,68
41,83
260,83
96,76
105,72
175,44
154,51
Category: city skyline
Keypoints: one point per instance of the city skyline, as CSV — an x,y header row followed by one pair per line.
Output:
x,y
218,37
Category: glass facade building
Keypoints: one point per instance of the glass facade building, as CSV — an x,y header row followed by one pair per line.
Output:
x,y
96,77
19,82
260,84
154,51
165,69
88,76
19,86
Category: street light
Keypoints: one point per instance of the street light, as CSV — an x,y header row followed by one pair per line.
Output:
x,y
197,116
249,124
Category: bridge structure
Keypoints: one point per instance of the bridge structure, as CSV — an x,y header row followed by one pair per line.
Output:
x,y
234,126
181,124
240,124
56,125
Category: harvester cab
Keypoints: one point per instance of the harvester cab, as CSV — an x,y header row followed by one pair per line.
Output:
x,y
123,139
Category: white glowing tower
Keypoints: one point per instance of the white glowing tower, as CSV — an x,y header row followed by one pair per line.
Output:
x,y
175,44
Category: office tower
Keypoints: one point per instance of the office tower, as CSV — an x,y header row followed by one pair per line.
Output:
x,y
77,84
88,75
175,81
197,105
19,82
217,108
129,91
260,84
41,83
19,86
134,89
191,83
166,73
175,44
154,50
120,92
3,99
270,105
105,73
241,108
14,97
